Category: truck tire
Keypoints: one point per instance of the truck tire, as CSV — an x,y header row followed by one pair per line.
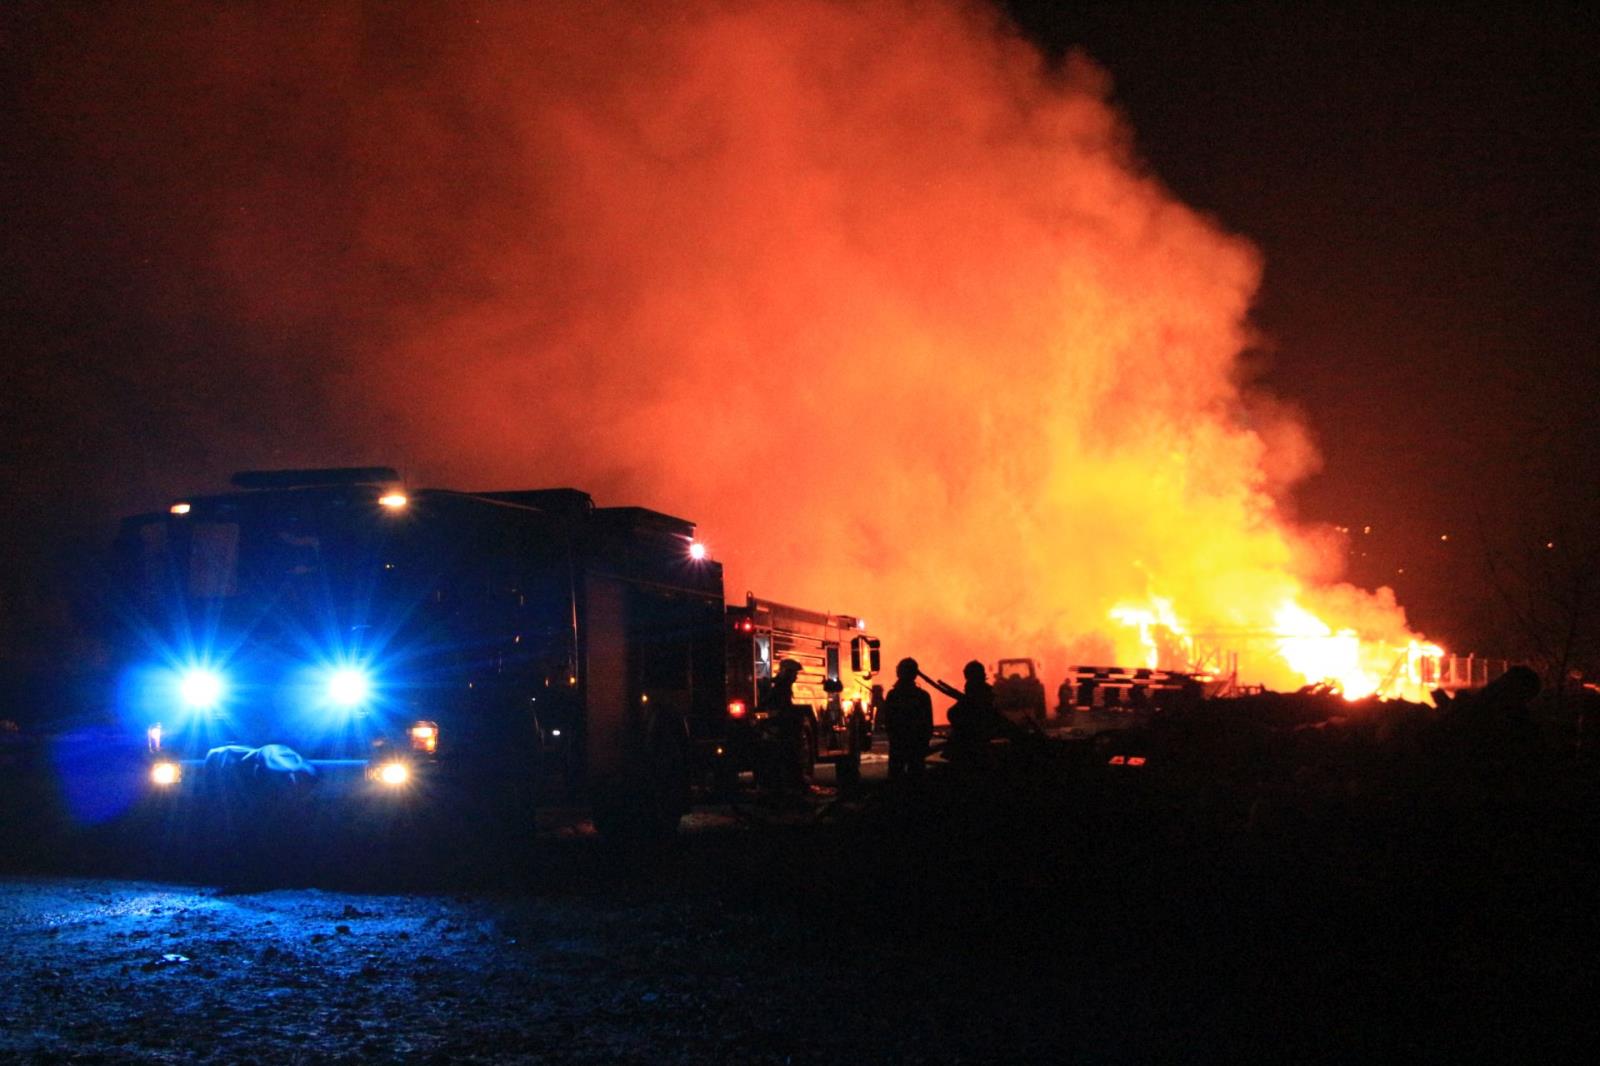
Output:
x,y
671,780
725,779
848,770
651,808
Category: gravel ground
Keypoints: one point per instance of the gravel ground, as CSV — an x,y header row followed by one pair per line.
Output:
x,y
115,970
1093,917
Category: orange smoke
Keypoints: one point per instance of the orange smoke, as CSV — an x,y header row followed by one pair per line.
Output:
x,y
880,298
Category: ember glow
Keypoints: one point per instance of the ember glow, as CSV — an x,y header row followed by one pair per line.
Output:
x,y
884,301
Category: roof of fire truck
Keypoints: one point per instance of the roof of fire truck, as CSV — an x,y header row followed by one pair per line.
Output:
x,y
778,614
386,487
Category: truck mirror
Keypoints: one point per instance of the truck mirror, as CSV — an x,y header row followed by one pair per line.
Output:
x,y
866,655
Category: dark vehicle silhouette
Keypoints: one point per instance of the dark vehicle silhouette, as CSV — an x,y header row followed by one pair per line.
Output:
x,y
1019,692
837,663
497,645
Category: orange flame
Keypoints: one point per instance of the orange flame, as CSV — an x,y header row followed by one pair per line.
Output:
x,y
1297,647
1319,654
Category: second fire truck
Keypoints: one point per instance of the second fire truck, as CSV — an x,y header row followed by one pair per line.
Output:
x,y
834,691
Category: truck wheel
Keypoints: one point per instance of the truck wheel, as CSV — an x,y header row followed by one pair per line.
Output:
x,y
651,808
725,779
670,779
848,770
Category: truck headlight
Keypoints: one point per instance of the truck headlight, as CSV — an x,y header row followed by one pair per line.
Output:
x,y
393,773
164,774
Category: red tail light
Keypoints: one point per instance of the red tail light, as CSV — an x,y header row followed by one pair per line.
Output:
x,y
1136,760
736,708
747,626
1117,760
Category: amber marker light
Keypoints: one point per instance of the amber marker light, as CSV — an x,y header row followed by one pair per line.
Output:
x,y
425,737
179,508
393,500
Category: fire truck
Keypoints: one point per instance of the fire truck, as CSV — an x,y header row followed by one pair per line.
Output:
x,y
333,627
839,701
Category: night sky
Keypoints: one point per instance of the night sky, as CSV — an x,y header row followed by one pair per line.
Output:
x,y
1421,183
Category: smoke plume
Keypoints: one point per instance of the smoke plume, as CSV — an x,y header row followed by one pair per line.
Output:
x,y
876,294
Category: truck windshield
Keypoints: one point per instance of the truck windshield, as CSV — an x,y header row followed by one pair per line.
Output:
x,y
262,551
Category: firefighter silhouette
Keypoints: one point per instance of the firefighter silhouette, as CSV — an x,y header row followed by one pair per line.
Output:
x,y
908,717
974,720
794,759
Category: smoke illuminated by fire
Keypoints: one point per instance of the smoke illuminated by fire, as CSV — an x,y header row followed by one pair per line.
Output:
x,y
880,298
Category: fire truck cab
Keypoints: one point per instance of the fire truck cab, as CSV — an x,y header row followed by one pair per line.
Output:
x,y
838,661
388,643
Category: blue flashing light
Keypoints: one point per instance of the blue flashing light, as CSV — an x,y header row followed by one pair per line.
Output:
x,y
349,687
201,689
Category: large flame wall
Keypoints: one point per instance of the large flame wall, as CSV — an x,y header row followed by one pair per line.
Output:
x,y
881,299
